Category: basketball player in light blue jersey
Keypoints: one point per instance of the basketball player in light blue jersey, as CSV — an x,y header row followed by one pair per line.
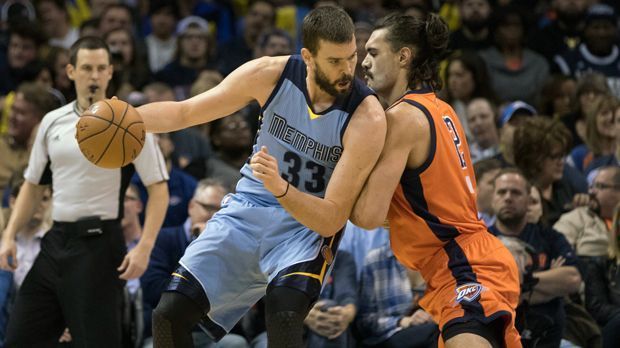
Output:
x,y
321,133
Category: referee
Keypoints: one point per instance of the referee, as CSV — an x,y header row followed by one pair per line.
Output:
x,y
77,280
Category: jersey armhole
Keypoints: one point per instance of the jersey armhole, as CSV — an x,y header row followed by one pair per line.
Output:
x,y
276,88
433,142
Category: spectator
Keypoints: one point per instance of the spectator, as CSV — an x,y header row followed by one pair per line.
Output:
x,y
485,171
600,134
517,73
466,78
511,117
56,23
540,146
389,315
329,320
194,45
130,71
564,31
558,97
358,242
31,103
57,60
170,246
24,43
90,27
474,33
599,51
591,87
260,18
588,228
115,16
162,42
274,42
481,119
608,160
603,289
556,274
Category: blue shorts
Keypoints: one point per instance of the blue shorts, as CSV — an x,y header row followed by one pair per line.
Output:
x,y
247,247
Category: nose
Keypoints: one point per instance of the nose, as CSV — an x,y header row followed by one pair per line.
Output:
x,y
366,62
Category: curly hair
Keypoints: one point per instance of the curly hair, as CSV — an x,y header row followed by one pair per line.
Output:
x,y
535,140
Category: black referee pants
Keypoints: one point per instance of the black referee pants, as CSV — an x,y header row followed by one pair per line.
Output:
x,y
73,283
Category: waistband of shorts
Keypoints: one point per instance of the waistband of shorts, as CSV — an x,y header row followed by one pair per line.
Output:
x,y
80,224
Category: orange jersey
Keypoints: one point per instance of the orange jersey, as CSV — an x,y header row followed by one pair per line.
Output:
x,y
436,202
434,227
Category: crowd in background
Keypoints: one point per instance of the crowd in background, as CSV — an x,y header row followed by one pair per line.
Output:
x,y
536,85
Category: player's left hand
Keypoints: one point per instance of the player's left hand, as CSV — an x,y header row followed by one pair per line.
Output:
x,y
135,262
265,167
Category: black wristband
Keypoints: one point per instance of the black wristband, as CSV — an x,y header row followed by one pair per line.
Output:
x,y
285,192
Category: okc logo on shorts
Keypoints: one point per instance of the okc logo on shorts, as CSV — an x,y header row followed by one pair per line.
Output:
x,y
468,292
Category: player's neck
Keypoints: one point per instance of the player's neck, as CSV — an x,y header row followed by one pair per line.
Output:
x,y
320,99
397,91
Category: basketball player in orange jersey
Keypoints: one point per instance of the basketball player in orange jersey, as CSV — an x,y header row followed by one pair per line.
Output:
x,y
425,171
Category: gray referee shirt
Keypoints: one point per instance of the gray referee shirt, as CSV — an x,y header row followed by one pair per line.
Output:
x,y
82,189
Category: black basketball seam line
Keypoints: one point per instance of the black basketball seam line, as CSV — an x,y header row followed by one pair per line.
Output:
x,y
115,131
130,133
112,123
92,135
123,142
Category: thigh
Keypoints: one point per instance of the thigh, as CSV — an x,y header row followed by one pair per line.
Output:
x,y
611,332
303,261
92,293
223,262
36,317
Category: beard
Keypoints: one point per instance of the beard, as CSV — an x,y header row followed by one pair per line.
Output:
x,y
476,24
330,87
512,219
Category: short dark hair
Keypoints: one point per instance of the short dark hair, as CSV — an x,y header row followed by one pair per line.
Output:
x,y
29,30
486,165
40,97
427,38
327,23
87,43
513,170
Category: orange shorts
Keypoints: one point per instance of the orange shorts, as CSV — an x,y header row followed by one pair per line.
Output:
x,y
488,284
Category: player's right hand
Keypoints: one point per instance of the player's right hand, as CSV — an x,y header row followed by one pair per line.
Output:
x,y
8,255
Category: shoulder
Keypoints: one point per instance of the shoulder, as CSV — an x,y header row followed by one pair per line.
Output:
x,y
409,118
265,67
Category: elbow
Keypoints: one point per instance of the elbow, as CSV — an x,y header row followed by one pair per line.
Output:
x,y
366,221
330,229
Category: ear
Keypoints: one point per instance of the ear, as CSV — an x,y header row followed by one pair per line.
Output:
x,y
70,70
306,55
405,56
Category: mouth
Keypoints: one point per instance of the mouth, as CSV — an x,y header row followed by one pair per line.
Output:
x,y
343,84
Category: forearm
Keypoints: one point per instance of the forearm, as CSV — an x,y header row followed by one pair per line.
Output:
x,y
162,117
155,213
371,208
29,197
557,282
320,215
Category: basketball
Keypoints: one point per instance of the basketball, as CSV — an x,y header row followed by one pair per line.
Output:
x,y
110,133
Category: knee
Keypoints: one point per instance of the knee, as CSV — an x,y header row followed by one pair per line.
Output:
x,y
176,309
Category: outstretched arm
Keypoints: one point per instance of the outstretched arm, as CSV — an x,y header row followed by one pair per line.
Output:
x,y
407,131
362,142
254,80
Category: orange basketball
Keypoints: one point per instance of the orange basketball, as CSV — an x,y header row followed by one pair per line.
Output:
x,y
110,133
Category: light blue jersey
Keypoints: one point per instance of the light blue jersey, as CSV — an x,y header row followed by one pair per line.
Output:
x,y
306,144
253,242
